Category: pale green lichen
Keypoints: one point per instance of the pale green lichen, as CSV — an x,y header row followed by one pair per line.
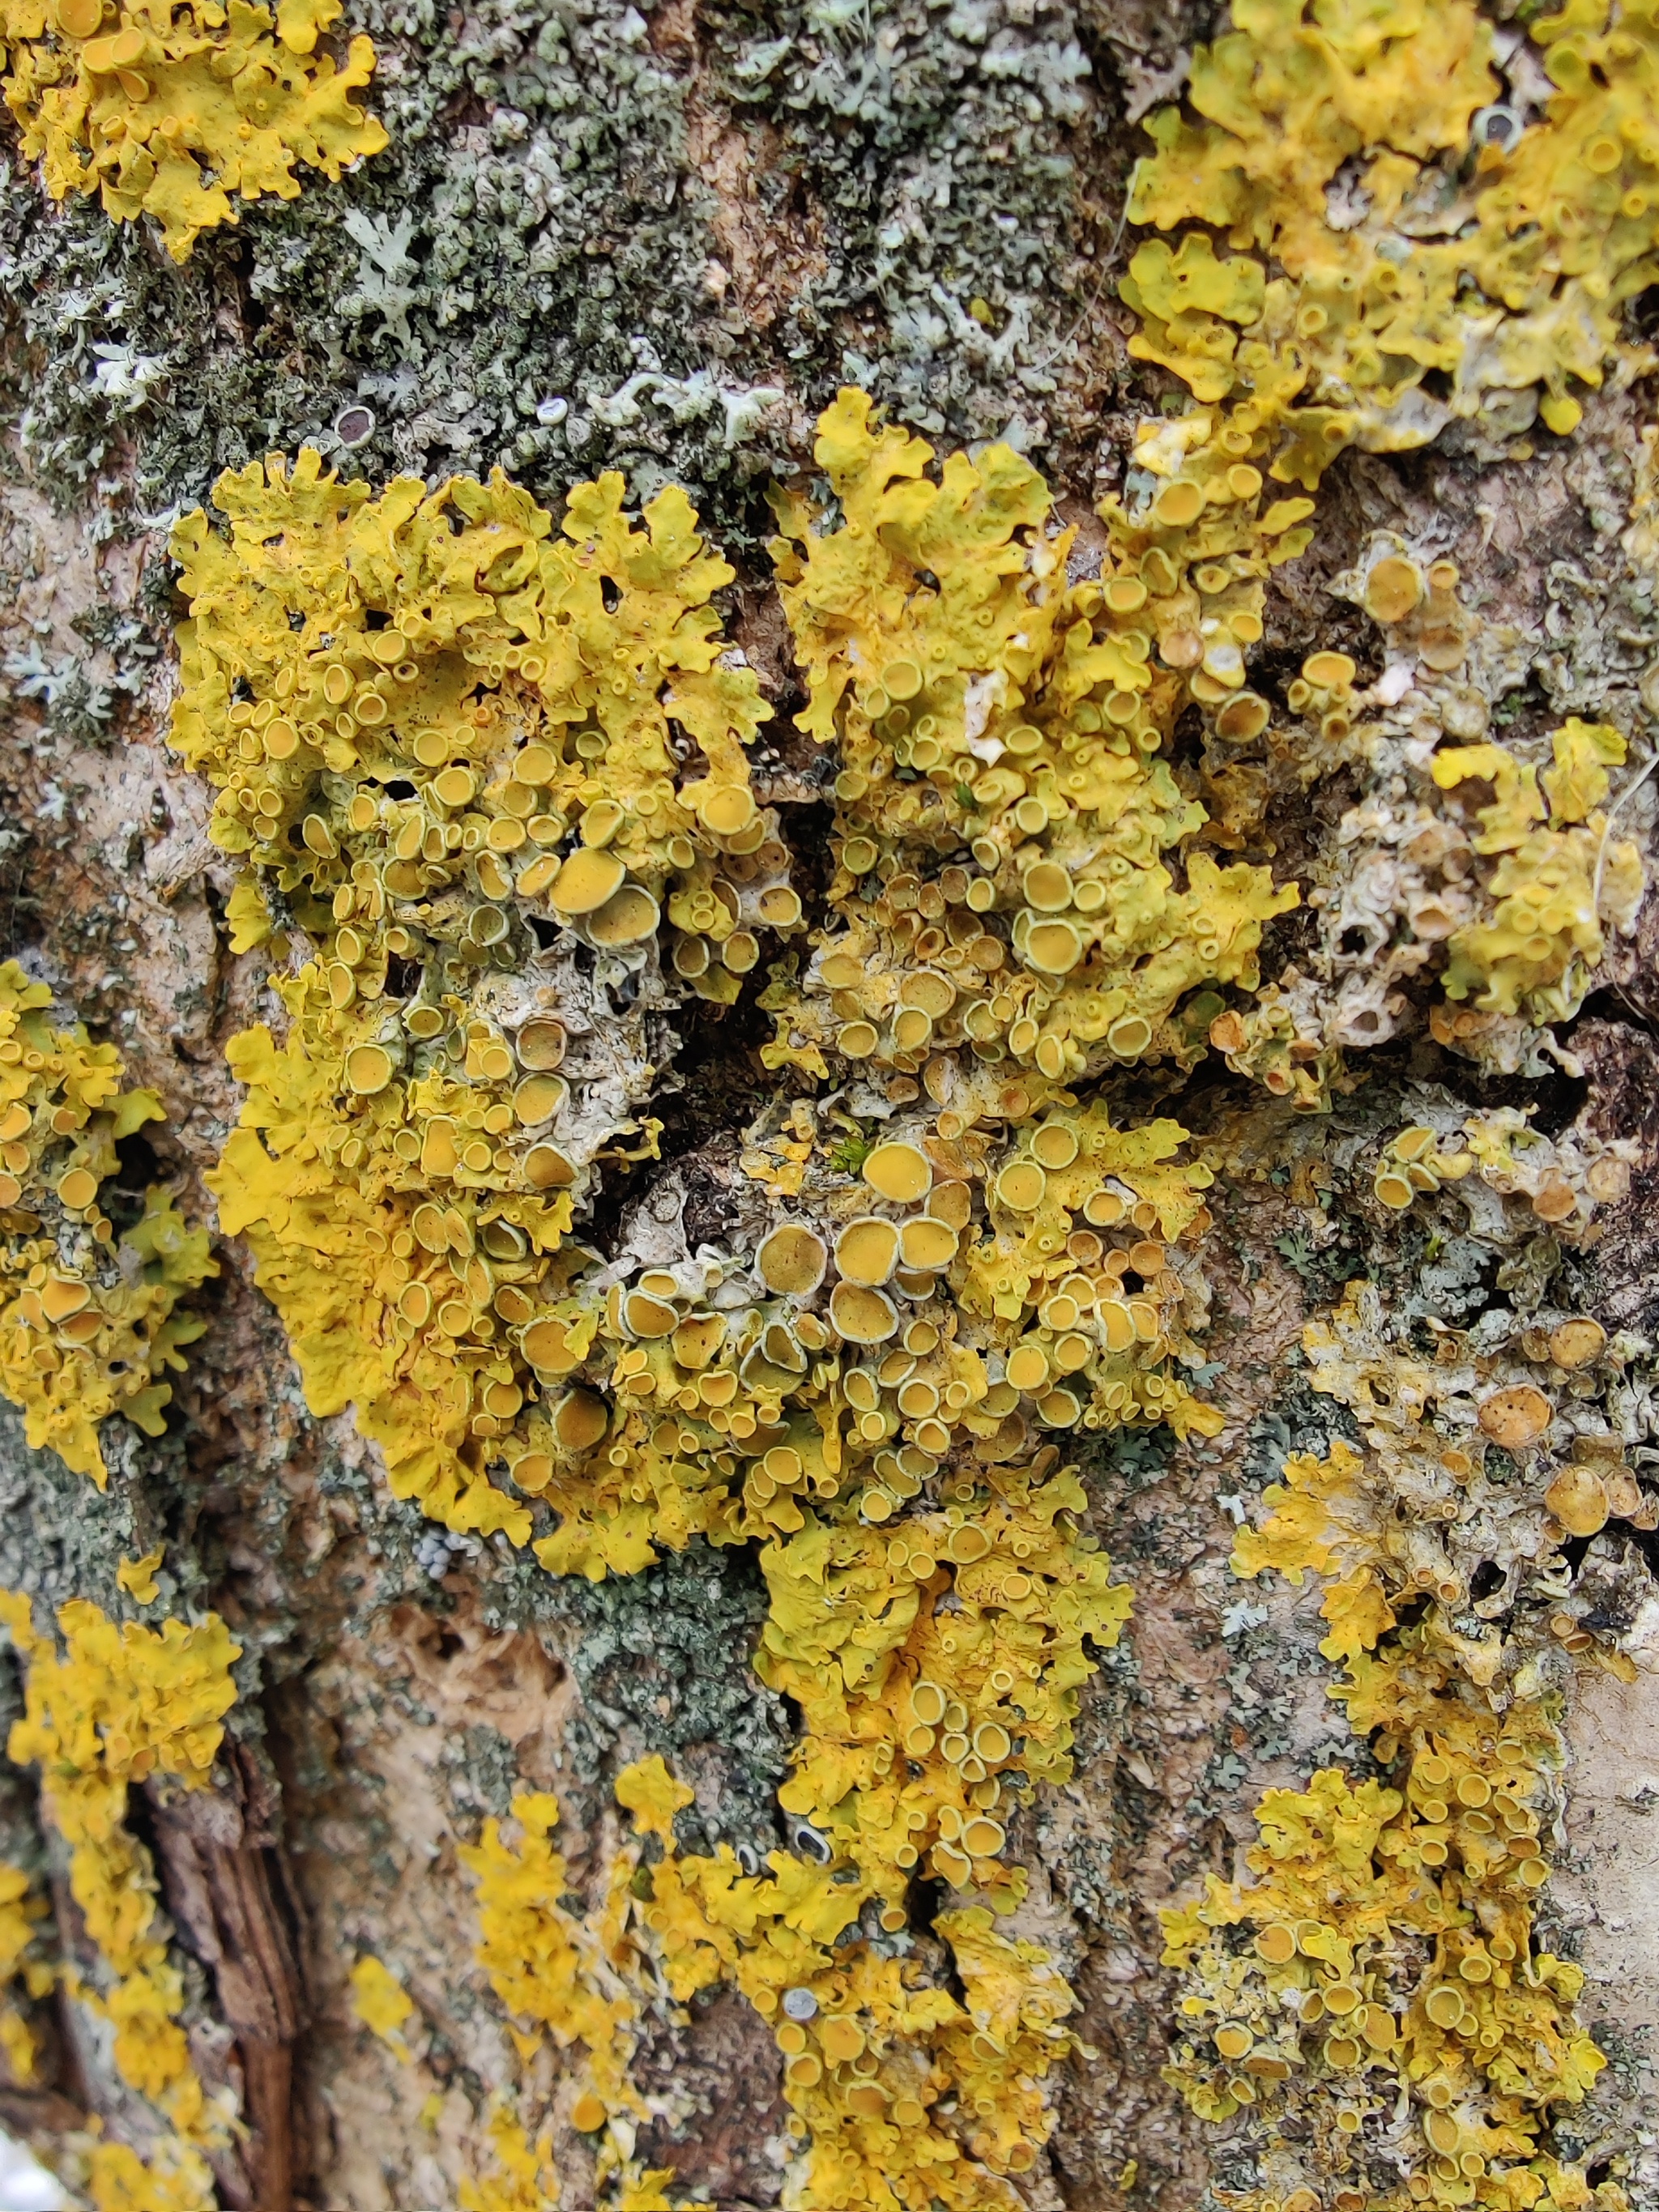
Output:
x,y
952,150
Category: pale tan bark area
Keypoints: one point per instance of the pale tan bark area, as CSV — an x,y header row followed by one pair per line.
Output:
x,y
1611,1878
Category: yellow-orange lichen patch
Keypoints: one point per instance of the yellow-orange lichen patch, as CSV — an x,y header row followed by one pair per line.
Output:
x,y
89,1324
874,1384
1557,878
1002,813
21,1960
1004,1302
116,1707
441,734
1391,1965
178,112
1463,240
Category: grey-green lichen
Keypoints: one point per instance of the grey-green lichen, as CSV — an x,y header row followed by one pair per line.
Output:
x,y
662,1661
60,1537
539,270
506,283
953,153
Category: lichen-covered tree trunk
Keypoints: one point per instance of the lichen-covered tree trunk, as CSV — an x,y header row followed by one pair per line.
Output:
x,y
828,1106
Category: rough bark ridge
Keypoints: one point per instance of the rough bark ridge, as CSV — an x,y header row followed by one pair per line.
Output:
x,y
1156,883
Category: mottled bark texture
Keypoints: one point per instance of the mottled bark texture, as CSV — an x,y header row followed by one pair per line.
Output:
x,y
658,242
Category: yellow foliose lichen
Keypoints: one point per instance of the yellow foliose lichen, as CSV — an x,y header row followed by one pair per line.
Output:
x,y
442,733
177,112
1416,224
1507,892
435,723
525,2179
1393,1950
381,2003
1563,1180
118,1705
1391,1965
903,2095
138,1577
1002,815
88,1321
22,1910
1560,879
548,1969
934,1651
585,1987
948,1297
874,1409
175,2178
1414,1161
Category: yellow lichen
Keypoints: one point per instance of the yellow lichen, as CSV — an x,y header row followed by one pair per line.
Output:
x,y
382,2003
1429,1424
1042,1298
176,112
869,1388
869,1392
526,2181
175,2178
1279,1040
1412,1161
1563,1180
89,1324
412,706
22,1911
1558,872
557,1976
1393,1946
138,1577
548,1969
1482,2040
118,1706
889,2079
1495,253
1508,891
1393,1953
1001,813
934,1657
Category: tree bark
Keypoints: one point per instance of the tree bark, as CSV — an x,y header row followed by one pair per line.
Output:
x,y
659,243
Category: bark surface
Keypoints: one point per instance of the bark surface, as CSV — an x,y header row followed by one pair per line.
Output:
x,y
659,242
